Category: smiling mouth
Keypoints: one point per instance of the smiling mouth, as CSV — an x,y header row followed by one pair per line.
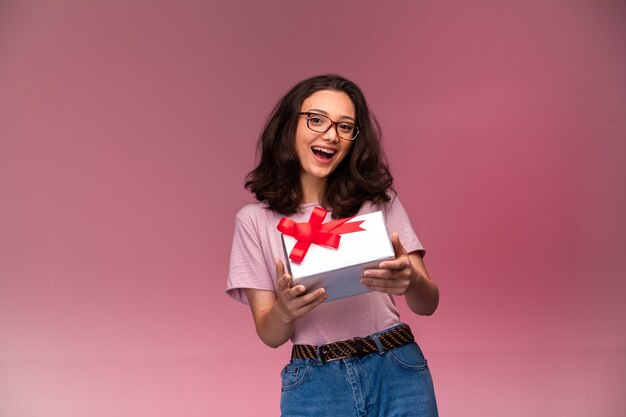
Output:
x,y
324,154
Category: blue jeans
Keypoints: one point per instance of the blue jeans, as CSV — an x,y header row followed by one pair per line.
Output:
x,y
391,384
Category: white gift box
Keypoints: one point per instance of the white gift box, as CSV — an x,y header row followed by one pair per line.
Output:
x,y
339,270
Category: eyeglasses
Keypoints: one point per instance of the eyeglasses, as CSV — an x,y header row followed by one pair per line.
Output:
x,y
322,124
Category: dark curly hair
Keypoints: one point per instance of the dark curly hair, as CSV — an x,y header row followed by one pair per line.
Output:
x,y
362,176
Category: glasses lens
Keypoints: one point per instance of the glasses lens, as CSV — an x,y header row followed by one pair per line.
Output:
x,y
346,130
318,123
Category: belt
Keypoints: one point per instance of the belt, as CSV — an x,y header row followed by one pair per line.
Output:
x,y
393,338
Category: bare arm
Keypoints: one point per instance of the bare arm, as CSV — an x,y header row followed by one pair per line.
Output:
x,y
422,296
406,275
275,313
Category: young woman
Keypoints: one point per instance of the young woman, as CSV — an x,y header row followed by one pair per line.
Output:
x,y
353,356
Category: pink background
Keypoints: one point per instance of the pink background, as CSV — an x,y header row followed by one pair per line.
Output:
x,y
126,130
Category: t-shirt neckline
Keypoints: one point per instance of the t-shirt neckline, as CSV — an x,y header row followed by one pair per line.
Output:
x,y
307,205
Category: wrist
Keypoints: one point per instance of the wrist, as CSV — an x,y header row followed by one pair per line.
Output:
x,y
415,281
282,316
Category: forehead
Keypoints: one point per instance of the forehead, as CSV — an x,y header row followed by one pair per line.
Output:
x,y
335,103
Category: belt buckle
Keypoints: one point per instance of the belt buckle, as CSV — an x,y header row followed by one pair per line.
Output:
x,y
323,353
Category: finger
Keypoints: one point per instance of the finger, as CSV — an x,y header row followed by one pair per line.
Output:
x,y
280,267
398,248
400,263
399,272
297,301
312,300
387,290
297,291
282,278
377,273
283,284
382,282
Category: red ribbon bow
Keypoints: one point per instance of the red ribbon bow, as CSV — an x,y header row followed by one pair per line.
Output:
x,y
327,234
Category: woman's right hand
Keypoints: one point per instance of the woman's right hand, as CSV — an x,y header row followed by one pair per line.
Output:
x,y
275,313
291,301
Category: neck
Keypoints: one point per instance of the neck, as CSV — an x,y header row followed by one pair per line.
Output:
x,y
312,189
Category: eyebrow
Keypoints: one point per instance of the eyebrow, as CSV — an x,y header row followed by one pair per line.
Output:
x,y
326,114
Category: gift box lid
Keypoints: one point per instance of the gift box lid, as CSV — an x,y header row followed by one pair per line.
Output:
x,y
355,248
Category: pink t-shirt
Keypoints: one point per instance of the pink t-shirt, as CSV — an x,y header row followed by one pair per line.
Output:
x,y
257,242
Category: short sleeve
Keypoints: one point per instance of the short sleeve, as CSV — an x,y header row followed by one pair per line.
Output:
x,y
398,221
248,267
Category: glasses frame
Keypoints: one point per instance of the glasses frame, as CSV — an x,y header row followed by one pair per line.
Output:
x,y
332,123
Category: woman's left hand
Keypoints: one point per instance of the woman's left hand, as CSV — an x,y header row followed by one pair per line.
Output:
x,y
395,276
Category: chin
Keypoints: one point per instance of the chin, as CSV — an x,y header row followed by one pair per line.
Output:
x,y
323,173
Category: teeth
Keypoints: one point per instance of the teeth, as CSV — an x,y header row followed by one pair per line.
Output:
x,y
328,151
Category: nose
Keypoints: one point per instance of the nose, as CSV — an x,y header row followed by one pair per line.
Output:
x,y
331,134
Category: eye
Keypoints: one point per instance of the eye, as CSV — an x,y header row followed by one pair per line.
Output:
x,y
316,120
346,127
